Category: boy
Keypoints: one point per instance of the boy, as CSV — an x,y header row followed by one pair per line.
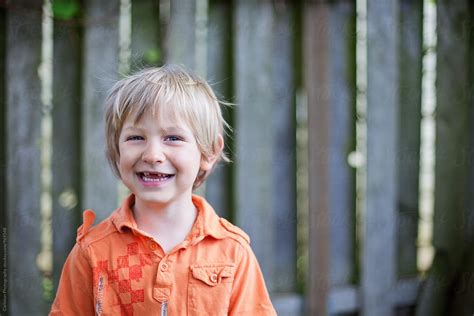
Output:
x,y
164,251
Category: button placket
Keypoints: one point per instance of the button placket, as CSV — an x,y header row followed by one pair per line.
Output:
x,y
164,266
163,281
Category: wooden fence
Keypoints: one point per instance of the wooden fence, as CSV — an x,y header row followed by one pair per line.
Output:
x,y
258,54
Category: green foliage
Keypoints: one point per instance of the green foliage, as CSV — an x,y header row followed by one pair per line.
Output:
x,y
152,56
48,289
66,9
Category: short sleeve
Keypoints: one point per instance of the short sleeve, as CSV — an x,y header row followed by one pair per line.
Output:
x,y
249,293
75,291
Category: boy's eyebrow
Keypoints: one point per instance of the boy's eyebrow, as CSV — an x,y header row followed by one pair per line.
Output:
x,y
131,127
174,129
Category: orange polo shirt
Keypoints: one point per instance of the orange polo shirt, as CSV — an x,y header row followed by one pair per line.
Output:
x,y
117,269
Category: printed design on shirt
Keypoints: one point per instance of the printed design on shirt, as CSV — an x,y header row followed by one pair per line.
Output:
x,y
99,295
123,277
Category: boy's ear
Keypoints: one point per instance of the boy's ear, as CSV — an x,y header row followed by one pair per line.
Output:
x,y
208,162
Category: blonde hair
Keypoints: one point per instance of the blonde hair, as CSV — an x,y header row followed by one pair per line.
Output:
x,y
168,90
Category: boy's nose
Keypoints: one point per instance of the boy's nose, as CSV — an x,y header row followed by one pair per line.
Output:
x,y
153,154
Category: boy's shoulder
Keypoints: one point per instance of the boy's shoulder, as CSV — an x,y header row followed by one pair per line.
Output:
x,y
234,232
88,234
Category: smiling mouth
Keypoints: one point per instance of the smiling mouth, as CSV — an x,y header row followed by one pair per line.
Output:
x,y
154,177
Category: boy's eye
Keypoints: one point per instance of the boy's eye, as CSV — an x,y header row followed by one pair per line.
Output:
x,y
134,137
173,138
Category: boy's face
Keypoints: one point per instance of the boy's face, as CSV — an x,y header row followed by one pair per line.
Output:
x,y
159,160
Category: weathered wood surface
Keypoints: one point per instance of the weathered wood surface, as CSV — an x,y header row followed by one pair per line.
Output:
x,y
23,191
317,85
3,128
347,299
463,298
411,46
258,184
3,141
283,162
100,70
219,186
66,162
254,198
453,163
264,139
463,302
181,37
330,84
379,250
145,38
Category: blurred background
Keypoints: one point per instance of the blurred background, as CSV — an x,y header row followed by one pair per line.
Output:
x,y
352,142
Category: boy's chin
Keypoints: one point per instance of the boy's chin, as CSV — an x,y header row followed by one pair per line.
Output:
x,y
160,198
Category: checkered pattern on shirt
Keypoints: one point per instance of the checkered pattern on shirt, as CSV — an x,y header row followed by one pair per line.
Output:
x,y
123,279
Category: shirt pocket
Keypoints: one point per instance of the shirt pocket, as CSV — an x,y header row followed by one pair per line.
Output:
x,y
209,288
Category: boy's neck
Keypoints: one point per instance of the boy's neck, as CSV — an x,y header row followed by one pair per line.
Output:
x,y
169,224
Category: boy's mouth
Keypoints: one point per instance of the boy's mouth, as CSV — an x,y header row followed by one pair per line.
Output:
x,y
154,176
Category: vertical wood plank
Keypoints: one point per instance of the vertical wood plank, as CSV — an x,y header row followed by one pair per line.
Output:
x,y
284,150
463,301
378,260
219,186
316,41
145,46
264,142
453,156
411,46
330,83
24,114
452,113
66,137
470,87
99,186
181,37
3,149
253,22
342,92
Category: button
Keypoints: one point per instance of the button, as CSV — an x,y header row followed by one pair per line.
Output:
x,y
164,266
213,278
153,246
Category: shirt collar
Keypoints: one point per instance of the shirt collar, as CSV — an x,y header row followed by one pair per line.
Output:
x,y
207,222
123,217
